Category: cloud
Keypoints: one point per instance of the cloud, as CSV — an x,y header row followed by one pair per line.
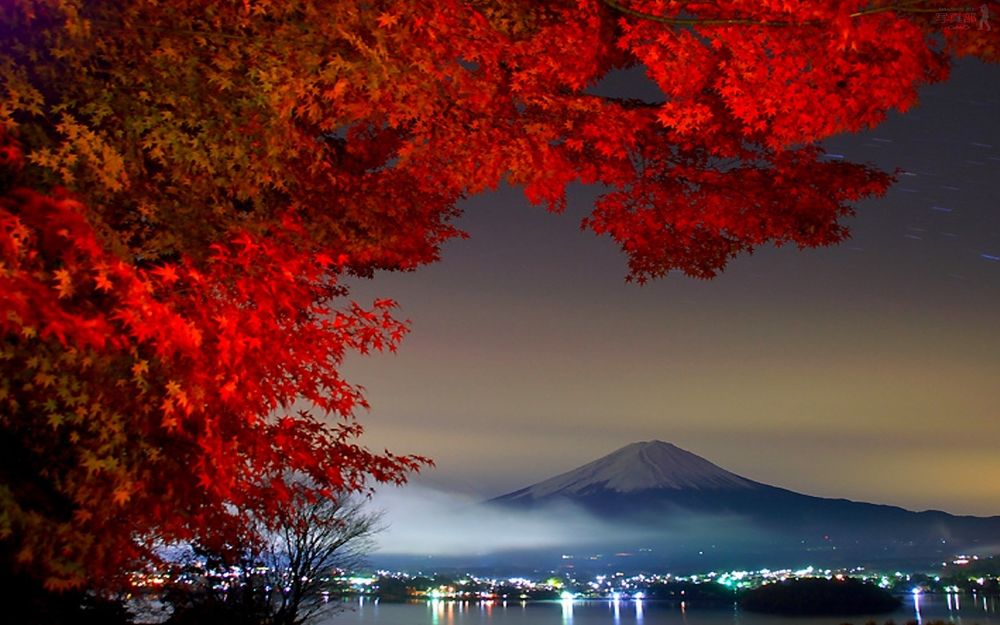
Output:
x,y
425,521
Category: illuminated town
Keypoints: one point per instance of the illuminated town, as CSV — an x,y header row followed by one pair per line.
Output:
x,y
963,575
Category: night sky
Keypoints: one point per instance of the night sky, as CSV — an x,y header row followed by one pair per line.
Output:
x,y
870,370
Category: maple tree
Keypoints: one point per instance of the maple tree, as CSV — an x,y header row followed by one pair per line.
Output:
x,y
186,183
163,399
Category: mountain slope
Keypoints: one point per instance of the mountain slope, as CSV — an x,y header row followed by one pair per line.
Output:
x,y
657,485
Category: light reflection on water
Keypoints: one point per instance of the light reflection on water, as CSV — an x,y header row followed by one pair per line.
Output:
x,y
922,608
567,610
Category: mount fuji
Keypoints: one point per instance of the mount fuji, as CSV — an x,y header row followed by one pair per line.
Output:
x,y
646,466
687,500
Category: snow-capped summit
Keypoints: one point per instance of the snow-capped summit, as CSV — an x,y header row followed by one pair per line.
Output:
x,y
640,466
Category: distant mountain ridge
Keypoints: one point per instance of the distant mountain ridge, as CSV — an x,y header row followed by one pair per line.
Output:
x,y
654,484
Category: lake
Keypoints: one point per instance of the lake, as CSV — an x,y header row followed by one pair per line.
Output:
x,y
958,609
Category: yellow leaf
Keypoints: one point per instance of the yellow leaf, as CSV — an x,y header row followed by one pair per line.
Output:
x,y
140,369
122,494
91,463
45,379
64,283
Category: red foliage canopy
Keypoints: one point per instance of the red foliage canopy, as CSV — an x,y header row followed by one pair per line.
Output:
x,y
172,322
162,400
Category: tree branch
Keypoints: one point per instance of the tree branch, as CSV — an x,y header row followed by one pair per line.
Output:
x,y
902,7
